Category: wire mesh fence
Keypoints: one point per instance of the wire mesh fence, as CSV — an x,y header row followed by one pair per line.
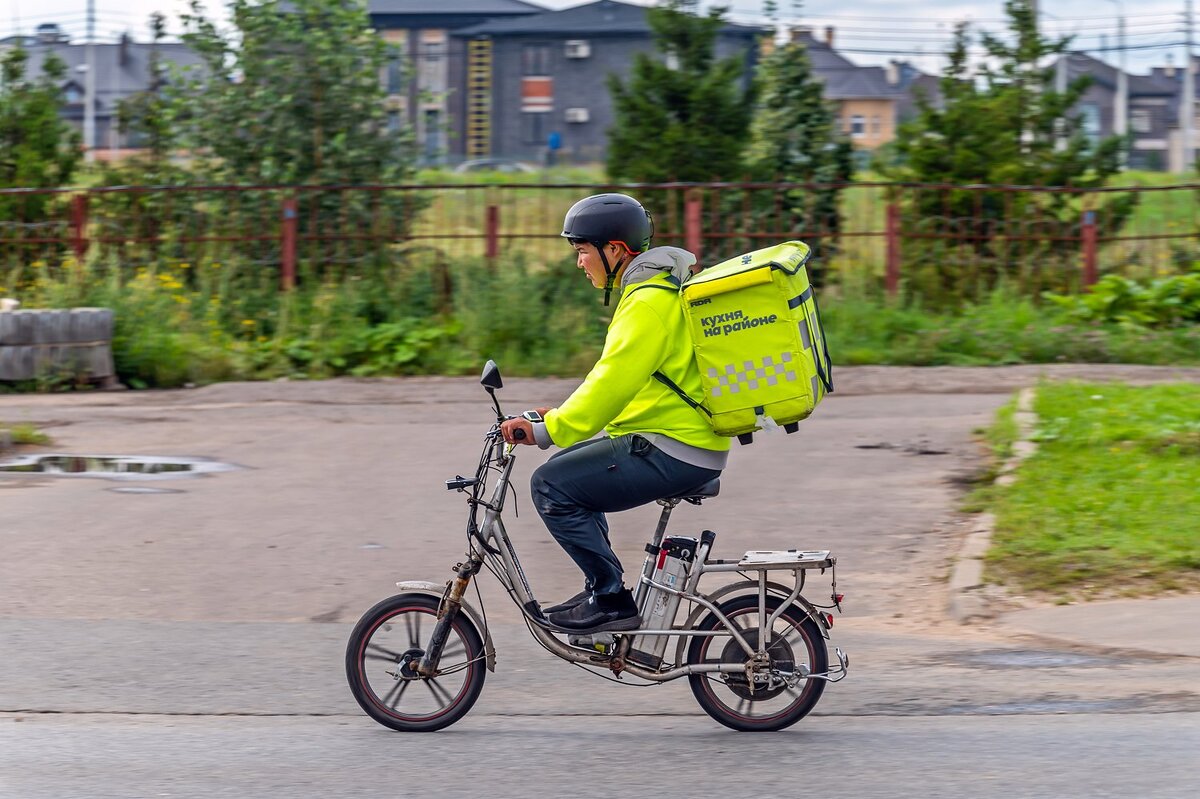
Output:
x,y
928,239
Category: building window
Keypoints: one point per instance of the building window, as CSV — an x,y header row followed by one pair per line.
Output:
x,y
72,95
393,122
433,133
533,128
1090,118
395,70
858,125
1139,120
432,58
535,59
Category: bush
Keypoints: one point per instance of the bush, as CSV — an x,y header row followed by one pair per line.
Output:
x,y
1165,302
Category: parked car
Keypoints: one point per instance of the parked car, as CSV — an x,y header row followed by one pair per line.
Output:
x,y
494,165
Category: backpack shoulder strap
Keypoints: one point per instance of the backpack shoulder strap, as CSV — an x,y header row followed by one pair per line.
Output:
x,y
669,383
671,284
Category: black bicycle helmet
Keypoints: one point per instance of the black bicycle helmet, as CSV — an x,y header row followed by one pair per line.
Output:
x,y
602,218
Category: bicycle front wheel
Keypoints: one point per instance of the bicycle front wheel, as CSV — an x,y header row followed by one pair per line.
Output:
x,y
383,651
794,643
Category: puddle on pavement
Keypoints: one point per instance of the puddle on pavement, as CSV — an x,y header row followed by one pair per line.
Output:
x,y
1033,659
1046,706
145,490
115,467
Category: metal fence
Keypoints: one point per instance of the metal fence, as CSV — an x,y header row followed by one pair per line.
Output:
x,y
887,236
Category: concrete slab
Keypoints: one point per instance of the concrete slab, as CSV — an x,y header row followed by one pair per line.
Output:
x,y
1167,626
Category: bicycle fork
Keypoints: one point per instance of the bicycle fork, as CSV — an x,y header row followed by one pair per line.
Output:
x,y
451,605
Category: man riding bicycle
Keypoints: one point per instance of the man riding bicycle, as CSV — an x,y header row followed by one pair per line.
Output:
x,y
655,445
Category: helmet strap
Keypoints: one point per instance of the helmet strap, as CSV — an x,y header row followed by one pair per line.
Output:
x,y
610,274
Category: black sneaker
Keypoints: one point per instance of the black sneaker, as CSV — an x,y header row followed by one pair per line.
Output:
x,y
578,599
600,613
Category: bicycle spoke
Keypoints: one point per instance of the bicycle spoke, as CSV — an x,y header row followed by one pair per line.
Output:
x,y
795,640
454,648
413,622
377,652
397,692
439,693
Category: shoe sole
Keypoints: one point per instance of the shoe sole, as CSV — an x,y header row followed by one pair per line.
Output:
x,y
614,626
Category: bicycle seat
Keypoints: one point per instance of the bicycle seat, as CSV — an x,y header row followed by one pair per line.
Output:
x,y
709,489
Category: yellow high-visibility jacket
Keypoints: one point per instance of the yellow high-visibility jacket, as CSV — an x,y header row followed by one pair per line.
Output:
x,y
647,334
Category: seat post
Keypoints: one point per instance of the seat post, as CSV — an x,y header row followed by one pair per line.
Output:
x,y
663,518
652,548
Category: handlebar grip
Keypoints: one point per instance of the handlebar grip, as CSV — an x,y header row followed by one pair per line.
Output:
x,y
519,434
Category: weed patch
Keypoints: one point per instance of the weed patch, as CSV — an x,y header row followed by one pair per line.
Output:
x,y
1108,505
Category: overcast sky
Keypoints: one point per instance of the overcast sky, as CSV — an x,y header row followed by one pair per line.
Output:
x,y
867,31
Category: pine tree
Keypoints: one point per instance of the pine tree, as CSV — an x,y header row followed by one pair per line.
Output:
x,y
685,116
794,139
1005,126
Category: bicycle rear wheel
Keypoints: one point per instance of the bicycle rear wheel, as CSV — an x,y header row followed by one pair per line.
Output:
x,y
384,648
794,641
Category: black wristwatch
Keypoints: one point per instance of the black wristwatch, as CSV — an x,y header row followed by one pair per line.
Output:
x,y
532,416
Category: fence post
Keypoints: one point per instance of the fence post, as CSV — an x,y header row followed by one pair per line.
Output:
x,y
1088,235
79,241
287,271
693,234
492,228
892,274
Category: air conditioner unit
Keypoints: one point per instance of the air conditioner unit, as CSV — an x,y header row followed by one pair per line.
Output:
x,y
576,115
577,48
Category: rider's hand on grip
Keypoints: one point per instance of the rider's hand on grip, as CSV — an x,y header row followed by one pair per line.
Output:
x,y
517,430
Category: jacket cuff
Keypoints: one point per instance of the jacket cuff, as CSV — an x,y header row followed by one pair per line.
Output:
x,y
542,436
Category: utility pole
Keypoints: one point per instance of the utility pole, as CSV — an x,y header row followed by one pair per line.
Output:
x,y
89,92
1188,106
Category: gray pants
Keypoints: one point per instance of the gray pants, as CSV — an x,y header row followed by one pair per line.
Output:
x,y
576,487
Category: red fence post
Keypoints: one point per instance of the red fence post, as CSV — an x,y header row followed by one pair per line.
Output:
x,y
492,228
693,229
287,264
79,241
892,274
1088,236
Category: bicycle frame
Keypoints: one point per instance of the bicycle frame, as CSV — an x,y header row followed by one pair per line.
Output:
x,y
491,539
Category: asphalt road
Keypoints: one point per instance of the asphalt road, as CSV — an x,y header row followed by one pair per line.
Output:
x,y
189,643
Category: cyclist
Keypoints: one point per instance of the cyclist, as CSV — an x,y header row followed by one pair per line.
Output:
x,y
654,444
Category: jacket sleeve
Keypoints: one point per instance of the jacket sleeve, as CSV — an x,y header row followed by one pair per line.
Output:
x,y
634,348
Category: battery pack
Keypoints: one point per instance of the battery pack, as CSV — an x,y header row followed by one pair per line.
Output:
x,y
674,563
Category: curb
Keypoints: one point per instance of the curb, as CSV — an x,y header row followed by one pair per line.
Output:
x,y
968,600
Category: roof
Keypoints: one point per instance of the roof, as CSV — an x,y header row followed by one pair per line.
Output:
x,y
821,55
121,69
1079,64
424,7
605,17
845,80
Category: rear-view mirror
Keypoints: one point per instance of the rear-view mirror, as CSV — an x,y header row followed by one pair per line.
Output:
x,y
491,376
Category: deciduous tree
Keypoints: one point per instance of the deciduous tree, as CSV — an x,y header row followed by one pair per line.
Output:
x,y
683,114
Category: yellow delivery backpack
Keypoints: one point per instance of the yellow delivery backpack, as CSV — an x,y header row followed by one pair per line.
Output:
x,y
756,330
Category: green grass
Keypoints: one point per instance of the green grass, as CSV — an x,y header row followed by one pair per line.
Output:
x,y
1004,329
25,434
214,320
1109,505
